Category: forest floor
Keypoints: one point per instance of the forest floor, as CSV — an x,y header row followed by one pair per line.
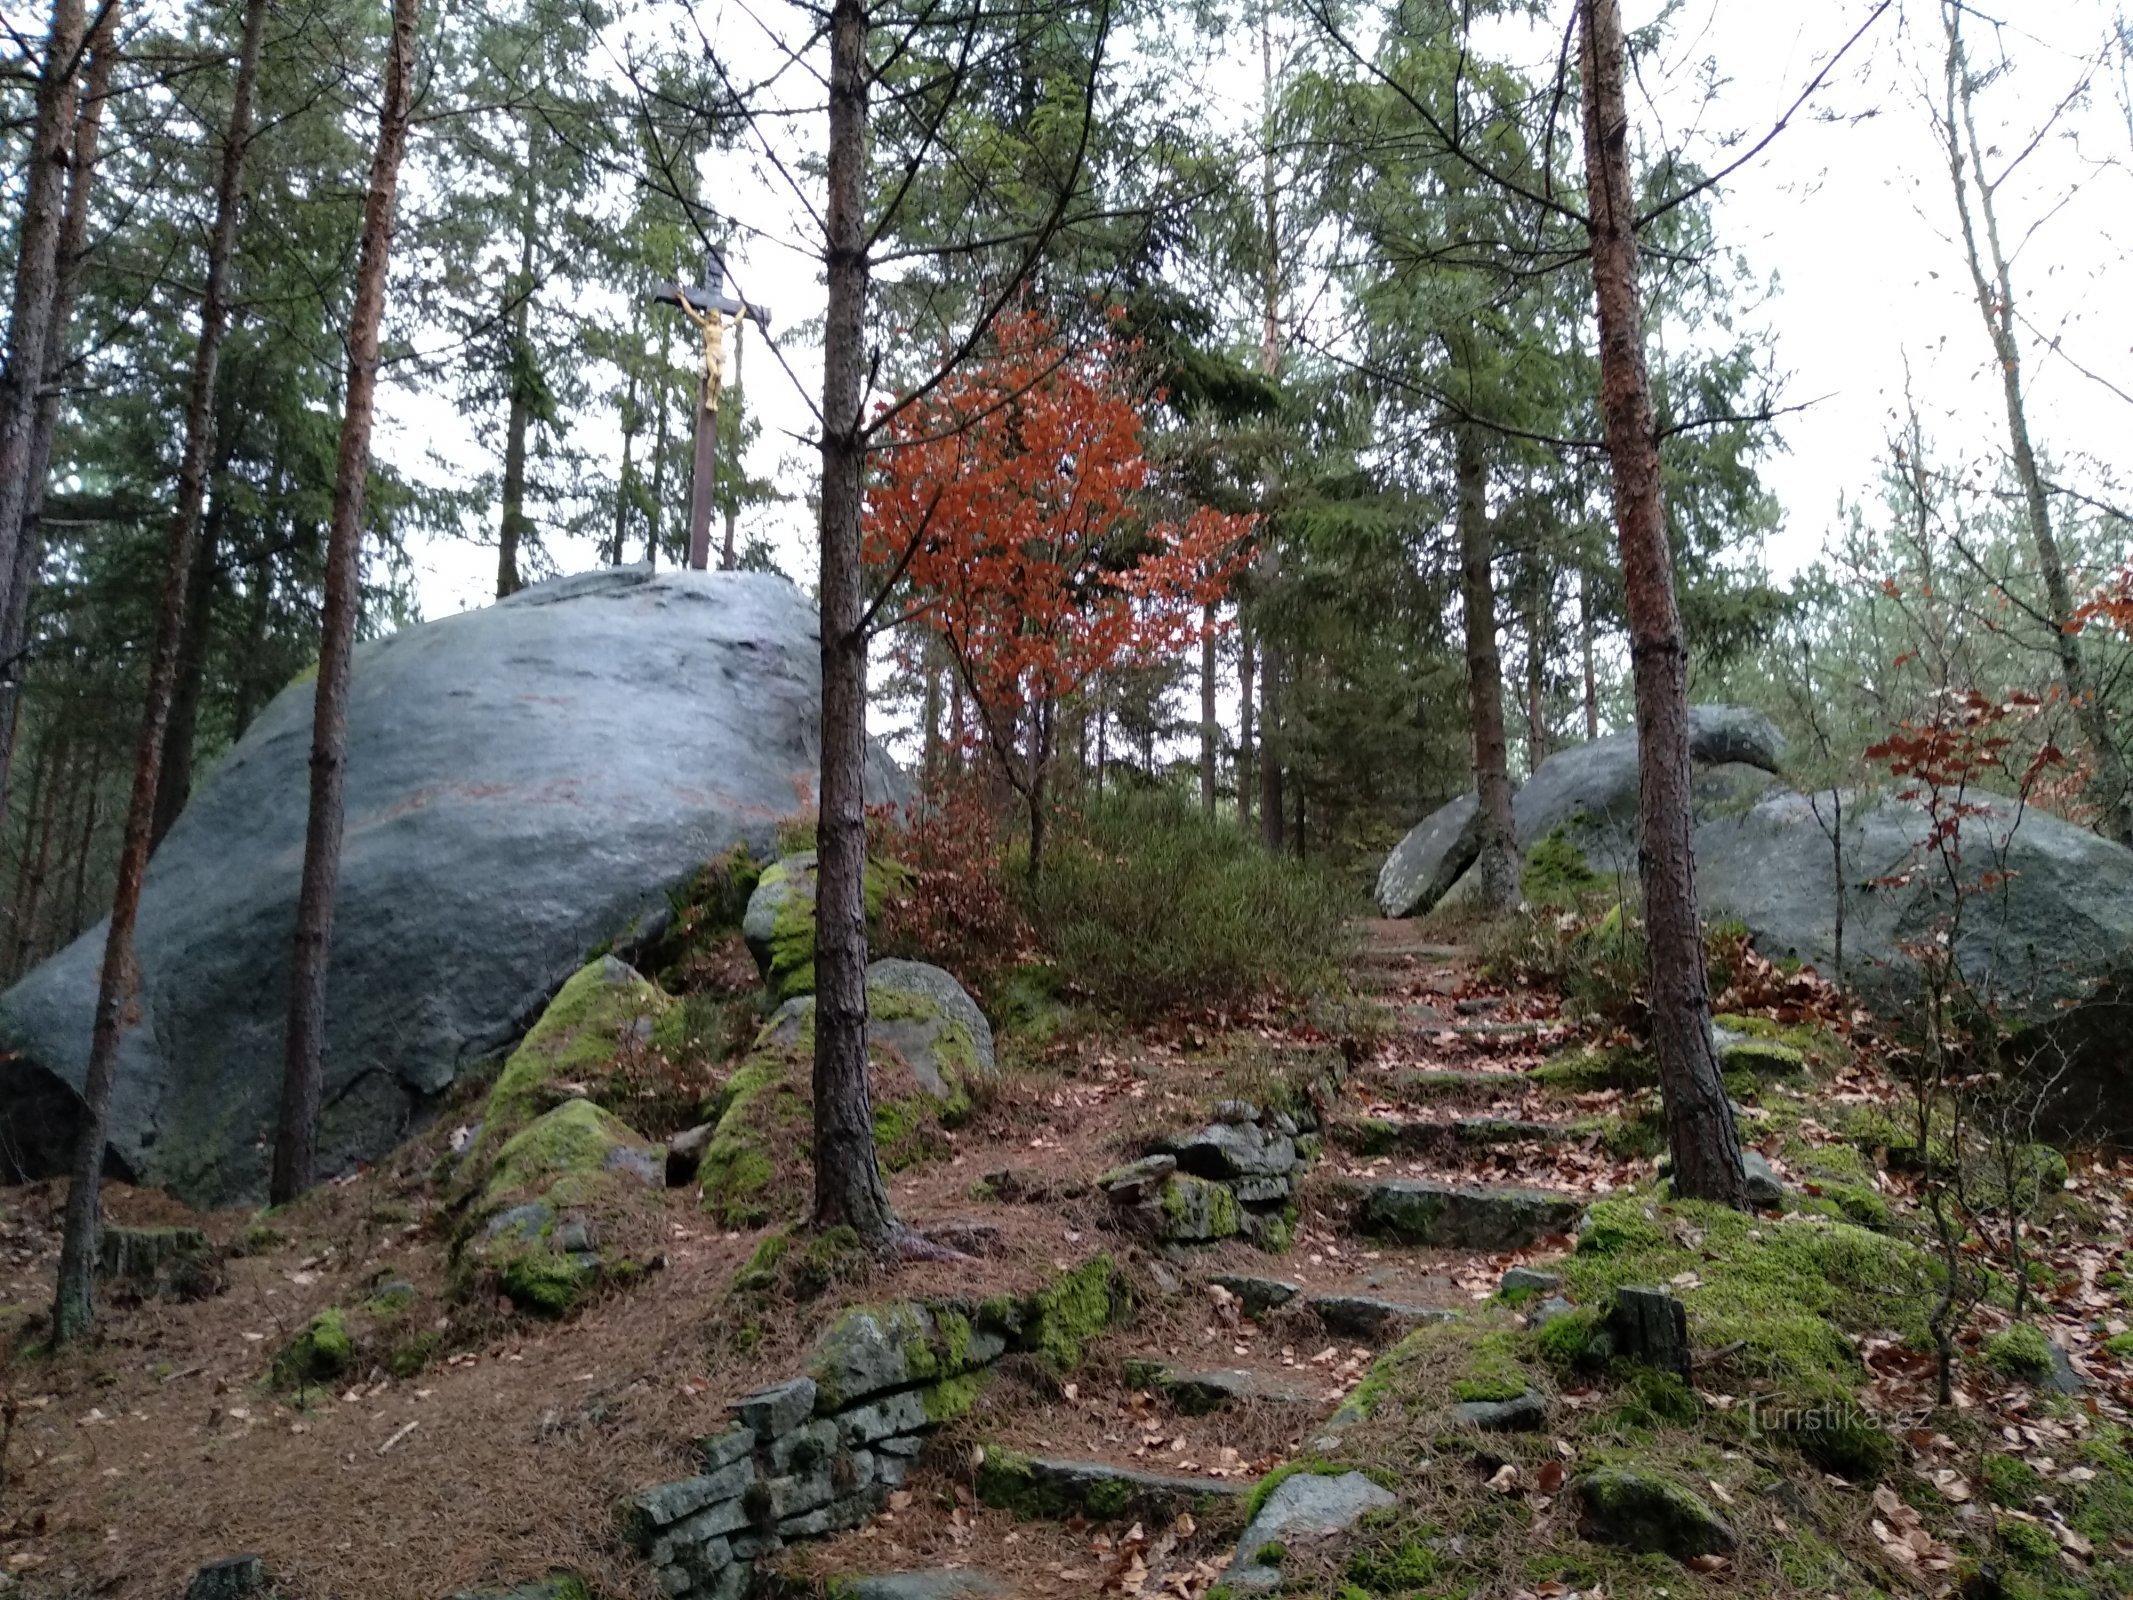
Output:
x,y
127,1463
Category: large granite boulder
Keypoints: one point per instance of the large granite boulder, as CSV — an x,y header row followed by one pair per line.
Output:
x,y
2045,933
1590,792
525,782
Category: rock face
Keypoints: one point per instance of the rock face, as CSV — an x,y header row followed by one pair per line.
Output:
x,y
2051,941
524,782
1595,783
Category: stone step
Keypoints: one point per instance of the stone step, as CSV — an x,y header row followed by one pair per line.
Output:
x,y
1425,1211
1368,955
1378,1136
1199,1391
1520,1030
935,1583
1042,1486
1363,1316
1258,1295
1451,1085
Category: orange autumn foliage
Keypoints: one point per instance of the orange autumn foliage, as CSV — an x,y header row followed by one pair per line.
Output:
x,y
1013,500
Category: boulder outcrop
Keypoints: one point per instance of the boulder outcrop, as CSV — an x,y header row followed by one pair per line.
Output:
x,y
525,783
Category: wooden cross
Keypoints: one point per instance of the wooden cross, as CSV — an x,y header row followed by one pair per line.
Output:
x,y
708,306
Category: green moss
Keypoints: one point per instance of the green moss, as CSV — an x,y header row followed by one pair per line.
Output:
x,y
321,1351
2011,1481
2027,1544
1492,1370
563,1154
951,1397
741,1185
1067,1314
574,1041
1658,1399
2120,1344
1567,1342
1761,1059
1271,1554
759,1274
411,1354
545,1281
2019,1351
1556,872
1398,1566
1106,1500
1588,1069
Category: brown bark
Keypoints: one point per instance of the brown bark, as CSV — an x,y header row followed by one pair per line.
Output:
x,y
30,331
175,786
1272,826
1700,1133
18,581
1247,773
1271,665
37,853
1210,723
303,1060
1585,640
1992,281
848,1187
511,530
1496,867
1536,668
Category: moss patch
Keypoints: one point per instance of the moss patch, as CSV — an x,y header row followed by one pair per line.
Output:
x,y
319,1353
757,1167
2019,1351
1589,1068
604,1008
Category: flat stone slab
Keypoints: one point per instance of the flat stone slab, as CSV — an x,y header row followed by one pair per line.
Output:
x,y
937,1584
1211,1389
1518,1280
1377,1135
1306,1505
1362,1316
1053,1487
1258,1294
1526,1413
1460,1216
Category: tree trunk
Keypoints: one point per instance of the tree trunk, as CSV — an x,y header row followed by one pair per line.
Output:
x,y
18,583
511,531
1992,280
77,915
303,1059
1496,867
1585,633
729,556
848,1187
1210,723
1247,666
1536,667
73,1305
259,605
30,331
1700,1131
657,521
628,471
37,853
175,786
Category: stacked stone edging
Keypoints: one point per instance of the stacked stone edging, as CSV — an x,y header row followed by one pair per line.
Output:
x,y
820,1453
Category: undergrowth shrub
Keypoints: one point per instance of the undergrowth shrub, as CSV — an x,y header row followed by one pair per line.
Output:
x,y
954,906
1147,906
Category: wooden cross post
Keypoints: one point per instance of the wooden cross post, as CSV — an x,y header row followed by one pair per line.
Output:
x,y
708,306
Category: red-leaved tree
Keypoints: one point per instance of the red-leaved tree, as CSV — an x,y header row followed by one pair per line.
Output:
x,y
1012,505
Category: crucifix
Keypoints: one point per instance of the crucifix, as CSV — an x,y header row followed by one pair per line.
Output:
x,y
708,306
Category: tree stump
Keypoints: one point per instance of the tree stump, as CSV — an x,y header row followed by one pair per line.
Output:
x,y
1651,1327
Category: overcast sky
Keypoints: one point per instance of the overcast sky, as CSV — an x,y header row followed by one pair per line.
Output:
x,y
1847,218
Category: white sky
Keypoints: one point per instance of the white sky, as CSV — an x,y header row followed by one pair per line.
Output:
x,y
1847,216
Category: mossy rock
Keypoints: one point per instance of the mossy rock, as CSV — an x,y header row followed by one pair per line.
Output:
x,y
779,924
572,1200
1761,1059
605,1008
919,1016
1646,1512
1587,1069
2020,1351
1556,873
322,1351
758,1166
